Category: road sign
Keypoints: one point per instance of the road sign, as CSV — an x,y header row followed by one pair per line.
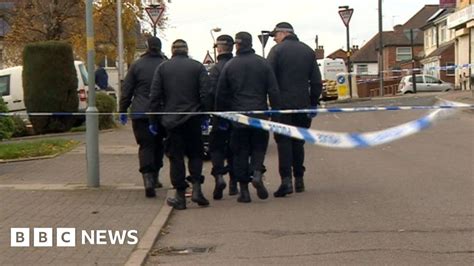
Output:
x,y
155,13
346,15
208,59
341,79
407,33
263,39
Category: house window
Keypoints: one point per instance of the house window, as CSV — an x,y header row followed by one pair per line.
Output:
x,y
433,37
427,40
4,27
442,33
450,69
362,69
403,53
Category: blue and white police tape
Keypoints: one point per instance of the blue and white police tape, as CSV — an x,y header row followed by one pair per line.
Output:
x,y
449,105
343,140
410,70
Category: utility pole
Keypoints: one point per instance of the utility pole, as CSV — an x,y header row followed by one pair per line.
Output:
x,y
380,50
120,49
92,120
349,64
413,77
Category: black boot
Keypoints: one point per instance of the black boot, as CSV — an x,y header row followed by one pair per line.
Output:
x,y
219,188
179,200
257,183
299,184
157,180
285,188
233,189
244,193
197,195
149,183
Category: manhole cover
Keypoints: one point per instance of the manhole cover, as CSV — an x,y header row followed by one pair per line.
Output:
x,y
169,251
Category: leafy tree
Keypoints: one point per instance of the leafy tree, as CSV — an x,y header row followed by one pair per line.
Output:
x,y
44,20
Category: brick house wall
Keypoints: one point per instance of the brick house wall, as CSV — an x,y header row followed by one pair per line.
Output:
x,y
447,56
390,59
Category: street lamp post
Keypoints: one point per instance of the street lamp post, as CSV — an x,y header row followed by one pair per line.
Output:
x,y
92,120
214,46
346,13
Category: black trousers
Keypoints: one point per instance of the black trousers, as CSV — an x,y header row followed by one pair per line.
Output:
x,y
150,148
219,146
185,140
290,150
249,146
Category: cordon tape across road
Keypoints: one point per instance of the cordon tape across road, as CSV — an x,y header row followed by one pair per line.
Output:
x,y
328,139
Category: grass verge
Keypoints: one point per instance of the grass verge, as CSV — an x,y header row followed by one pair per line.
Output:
x,y
37,148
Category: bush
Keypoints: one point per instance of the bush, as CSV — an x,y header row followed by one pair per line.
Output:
x,y
50,85
105,104
6,122
19,126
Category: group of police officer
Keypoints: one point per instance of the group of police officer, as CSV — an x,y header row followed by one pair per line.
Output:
x,y
288,79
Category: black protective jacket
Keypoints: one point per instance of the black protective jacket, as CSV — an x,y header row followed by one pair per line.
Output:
x,y
214,74
136,86
245,84
297,72
179,85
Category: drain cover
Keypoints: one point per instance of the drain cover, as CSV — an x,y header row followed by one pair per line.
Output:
x,y
169,251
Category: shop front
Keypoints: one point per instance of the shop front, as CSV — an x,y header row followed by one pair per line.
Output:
x,y
462,21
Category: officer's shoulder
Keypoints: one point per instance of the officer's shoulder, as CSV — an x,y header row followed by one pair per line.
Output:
x,y
195,62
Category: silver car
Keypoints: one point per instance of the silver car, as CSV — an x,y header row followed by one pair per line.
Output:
x,y
423,83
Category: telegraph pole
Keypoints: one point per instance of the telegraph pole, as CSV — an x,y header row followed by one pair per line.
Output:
x,y
380,49
92,120
413,74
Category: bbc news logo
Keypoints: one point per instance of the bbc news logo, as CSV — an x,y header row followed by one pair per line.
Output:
x,y
66,237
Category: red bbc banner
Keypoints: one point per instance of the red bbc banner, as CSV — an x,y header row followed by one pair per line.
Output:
x,y
447,3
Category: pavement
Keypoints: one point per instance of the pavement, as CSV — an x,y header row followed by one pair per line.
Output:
x,y
52,193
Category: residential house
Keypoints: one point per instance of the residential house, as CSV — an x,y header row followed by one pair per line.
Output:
x,y
397,49
365,60
462,22
342,54
439,60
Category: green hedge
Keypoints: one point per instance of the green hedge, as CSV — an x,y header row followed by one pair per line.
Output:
x,y
105,104
19,126
50,85
6,123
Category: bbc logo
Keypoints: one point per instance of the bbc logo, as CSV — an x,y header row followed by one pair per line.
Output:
x,y
42,237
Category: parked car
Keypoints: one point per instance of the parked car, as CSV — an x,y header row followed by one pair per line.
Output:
x,y
423,83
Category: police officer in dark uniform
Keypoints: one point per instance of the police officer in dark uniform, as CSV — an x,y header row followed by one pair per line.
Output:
x,y
181,85
299,80
220,135
245,84
135,92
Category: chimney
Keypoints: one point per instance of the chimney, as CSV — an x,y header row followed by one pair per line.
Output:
x,y
398,28
319,52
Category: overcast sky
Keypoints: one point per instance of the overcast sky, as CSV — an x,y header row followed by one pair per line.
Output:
x,y
192,20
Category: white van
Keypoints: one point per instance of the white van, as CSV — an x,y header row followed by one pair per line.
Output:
x,y
11,87
334,76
